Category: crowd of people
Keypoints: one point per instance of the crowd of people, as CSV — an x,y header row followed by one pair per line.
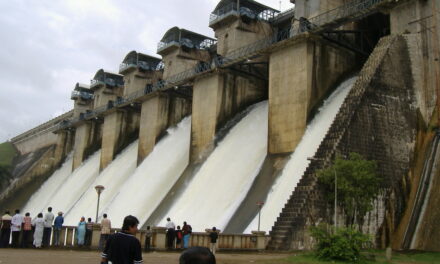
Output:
x,y
23,231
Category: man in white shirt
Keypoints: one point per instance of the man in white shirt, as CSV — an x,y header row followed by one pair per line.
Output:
x,y
48,220
16,222
170,233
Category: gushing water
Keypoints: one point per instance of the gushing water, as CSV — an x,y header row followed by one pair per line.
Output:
x,y
298,162
150,182
41,198
63,197
224,179
111,178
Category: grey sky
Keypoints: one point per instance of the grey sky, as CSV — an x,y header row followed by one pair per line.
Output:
x,y
48,46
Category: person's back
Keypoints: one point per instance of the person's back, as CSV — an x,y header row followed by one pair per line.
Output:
x,y
123,247
197,255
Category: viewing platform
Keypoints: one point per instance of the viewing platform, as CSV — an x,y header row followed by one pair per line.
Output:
x,y
140,61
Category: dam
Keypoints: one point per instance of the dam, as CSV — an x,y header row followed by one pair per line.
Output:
x,y
215,126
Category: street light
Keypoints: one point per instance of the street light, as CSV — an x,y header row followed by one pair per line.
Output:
x,y
259,204
336,192
99,189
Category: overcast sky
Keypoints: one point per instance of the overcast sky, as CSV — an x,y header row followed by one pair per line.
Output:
x,y
48,46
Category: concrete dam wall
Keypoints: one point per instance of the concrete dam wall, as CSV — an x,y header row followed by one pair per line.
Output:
x,y
293,61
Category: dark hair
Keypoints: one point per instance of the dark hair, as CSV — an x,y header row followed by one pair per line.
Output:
x,y
105,215
129,221
7,212
49,209
40,215
178,227
197,255
148,227
17,211
89,219
27,214
213,229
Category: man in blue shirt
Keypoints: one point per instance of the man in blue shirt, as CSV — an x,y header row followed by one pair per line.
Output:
x,y
58,224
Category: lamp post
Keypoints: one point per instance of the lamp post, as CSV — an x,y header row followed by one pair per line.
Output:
x,y
260,205
99,189
336,193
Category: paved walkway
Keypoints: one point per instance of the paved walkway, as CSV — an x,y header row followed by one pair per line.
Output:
x,y
42,256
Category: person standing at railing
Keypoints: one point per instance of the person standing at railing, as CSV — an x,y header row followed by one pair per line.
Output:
x,y
89,232
148,236
27,231
16,223
5,230
81,231
39,229
48,220
213,235
170,233
58,225
187,230
106,226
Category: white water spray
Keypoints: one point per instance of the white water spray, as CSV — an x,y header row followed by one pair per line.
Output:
x,y
64,196
112,177
143,191
224,179
39,201
297,164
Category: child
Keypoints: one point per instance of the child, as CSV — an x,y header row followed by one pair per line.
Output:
x,y
179,236
213,235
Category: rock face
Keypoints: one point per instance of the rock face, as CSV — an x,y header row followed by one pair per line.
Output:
x,y
378,119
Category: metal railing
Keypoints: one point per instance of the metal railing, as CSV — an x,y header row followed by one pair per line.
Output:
x,y
332,18
221,13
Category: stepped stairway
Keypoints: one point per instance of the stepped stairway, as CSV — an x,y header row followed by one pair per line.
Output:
x,y
300,209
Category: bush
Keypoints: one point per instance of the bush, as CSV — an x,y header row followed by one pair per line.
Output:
x,y
343,245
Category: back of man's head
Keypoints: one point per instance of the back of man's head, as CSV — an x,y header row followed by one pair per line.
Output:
x,y
197,255
129,221
104,215
17,211
49,209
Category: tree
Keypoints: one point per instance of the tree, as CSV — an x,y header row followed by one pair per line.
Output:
x,y
357,186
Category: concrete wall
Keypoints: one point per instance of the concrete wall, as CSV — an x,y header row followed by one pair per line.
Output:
x,y
87,140
159,113
416,19
378,120
253,242
300,75
135,80
308,9
111,132
103,94
39,136
238,34
179,60
217,97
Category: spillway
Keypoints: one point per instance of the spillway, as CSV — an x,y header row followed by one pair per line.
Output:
x,y
298,162
150,182
222,182
41,198
112,177
61,197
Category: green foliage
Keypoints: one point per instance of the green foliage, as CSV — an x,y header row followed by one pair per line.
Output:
x,y
345,244
7,153
357,186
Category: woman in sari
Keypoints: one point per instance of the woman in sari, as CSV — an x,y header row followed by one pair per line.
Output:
x,y
81,231
39,227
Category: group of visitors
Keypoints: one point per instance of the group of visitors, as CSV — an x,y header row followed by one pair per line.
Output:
x,y
37,232
19,227
177,238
